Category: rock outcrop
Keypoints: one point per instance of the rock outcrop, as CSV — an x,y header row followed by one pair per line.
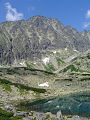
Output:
x,y
27,39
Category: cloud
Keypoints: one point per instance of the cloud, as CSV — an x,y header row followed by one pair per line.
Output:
x,y
86,24
12,14
87,17
88,14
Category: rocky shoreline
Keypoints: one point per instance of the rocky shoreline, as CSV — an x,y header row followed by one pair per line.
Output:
x,y
32,115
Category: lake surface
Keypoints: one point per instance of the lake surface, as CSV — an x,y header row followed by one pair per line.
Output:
x,y
75,104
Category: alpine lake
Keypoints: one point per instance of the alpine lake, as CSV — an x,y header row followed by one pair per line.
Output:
x,y
73,104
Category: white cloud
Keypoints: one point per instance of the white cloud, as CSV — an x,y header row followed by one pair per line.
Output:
x,y
86,24
88,14
12,14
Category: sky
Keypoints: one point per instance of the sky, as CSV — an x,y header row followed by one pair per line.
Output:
x,y
75,13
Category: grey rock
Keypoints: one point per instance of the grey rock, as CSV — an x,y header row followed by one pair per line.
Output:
x,y
21,114
26,39
59,115
77,118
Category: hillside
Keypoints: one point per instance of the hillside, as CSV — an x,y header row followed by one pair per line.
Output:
x,y
41,59
29,39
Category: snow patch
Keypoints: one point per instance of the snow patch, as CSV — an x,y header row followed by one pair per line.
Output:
x,y
54,52
46,60
22,63
49,101
66,49
34,63
57,106
44,84
75,50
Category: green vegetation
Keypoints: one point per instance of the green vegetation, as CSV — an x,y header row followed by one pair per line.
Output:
x,y
21,86
34,118
84,71
11,71
4,115
30,65
88,55
42,71
87,74
50,68
77,63
22,91
85,78
16,118
73,68
6,87
25,70
70,67
24,104
59,61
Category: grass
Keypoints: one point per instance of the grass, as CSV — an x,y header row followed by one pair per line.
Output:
x,y
86,74
25,105
50,68
22,91
25,70
10,70
85,78
30,65
4,115
77,63
84,71
59,61
46,72
21,86
88,55
6,87
70,67
73,68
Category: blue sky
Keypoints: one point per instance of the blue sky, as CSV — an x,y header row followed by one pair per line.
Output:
x,y
70,12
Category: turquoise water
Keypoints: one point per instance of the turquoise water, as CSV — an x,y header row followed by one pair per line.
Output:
x,y
75,104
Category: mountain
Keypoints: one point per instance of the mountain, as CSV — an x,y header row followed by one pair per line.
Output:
x,y
30,39
40,58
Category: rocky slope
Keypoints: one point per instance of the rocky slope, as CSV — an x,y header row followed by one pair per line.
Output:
x,y
29,39
41,58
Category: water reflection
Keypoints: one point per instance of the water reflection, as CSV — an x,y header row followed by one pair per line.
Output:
x,y
76,104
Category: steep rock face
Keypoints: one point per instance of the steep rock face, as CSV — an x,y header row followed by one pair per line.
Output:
x,y
27,39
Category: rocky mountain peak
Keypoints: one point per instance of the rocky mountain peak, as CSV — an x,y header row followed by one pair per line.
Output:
x,y
33,36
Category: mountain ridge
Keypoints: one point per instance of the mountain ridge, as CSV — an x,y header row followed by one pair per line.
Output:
x,y
27,39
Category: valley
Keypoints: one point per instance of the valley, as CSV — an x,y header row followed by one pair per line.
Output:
x,y
43,60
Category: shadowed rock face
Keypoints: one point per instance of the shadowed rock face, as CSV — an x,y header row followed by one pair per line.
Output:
x,y
27,39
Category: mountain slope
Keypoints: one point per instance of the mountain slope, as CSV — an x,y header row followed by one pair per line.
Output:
x,y
29,39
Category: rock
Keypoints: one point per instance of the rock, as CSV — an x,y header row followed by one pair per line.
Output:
x,y
21,114
59,115
26,39
10,108
39,116
76,117
27,118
